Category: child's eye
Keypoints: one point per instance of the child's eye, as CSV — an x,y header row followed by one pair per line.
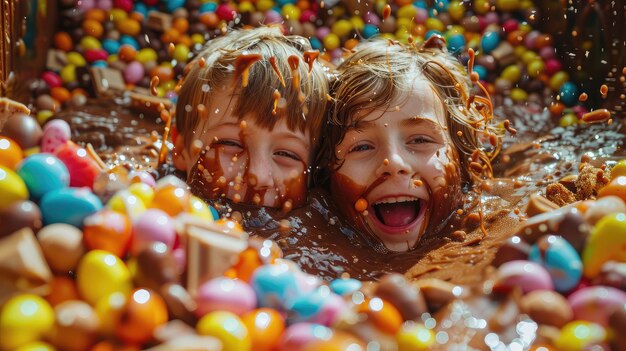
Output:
x,y
227,142
360,147
419,140
288,154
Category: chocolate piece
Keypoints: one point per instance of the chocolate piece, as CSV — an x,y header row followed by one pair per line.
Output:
x,y
504,54
569,181
514,248
21,214
574,229
107,81
23,129
56,59
404,296
538,205
159,21
46,102
156,266
179,303
439,293
547,307
612,274
62,245
539,225
142,102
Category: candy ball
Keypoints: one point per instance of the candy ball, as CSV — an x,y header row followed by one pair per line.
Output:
x,y
596,303
24,130
55,204
275,286
133,72
144,311
382,314
43,173
228,328
62,245
109,310
605,243
152,225
569,94
12,188
529,276
109,231
560,259
127,203
62,288
224,294
24,318
265,326
76,326
414,336
171,199
100,274
490,41
10,153
20,214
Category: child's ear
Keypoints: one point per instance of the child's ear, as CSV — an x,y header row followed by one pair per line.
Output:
x,y
179,154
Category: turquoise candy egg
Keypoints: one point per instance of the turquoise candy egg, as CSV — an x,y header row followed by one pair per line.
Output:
x,y
208,7
345,286
569,94
128,40
431,32
43,173
275,286
489,41
111,46
369,30
69,205
173,5
456,42
319,306
482,71
316,43
560,260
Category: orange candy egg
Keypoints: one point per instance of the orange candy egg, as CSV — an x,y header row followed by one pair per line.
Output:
x,y
10,153
383,314
62,289
127,53
265,326
144,312
171,200
128,26
63,41
93,28
60,94
181,24
108,230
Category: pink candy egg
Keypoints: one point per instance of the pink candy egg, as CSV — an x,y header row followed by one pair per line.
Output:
x,y
55,133
529,276
510,25
133,72
86,4
126,5
152,225
596,303
94,55
52,79
552,66
225,294
104,4
298,335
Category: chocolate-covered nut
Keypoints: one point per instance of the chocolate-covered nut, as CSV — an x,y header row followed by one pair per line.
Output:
x,y
19,215
76,326
439,293
179,303
617,323
574,229
514,248
156,266
547,307
62,245
612,274
405,297
24,130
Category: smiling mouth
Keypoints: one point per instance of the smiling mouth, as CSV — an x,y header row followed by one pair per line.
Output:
x,y
398,213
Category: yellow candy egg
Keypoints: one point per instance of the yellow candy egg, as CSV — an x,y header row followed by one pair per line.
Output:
x,y
434,24
43,116
181,53
197,207
406,11
36,346
568,119
264,5
228,328
146,55
90,43
197,38
357,22
76,59
143,192
331,41
616,187
535,68
109,310
342,27
577,335
12,188
606,242
290,12
456,11
128,203
618,170
414,336
507,5
512,73
128,26
24,319
117,14
558,79
100,274
518,95
68,73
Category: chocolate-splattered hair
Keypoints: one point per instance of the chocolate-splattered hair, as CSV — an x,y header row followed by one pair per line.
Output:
x,y
381,72
214,67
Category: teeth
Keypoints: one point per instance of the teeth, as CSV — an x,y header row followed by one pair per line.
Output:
x,y
391,200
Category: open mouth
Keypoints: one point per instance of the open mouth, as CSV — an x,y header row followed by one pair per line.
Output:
x,y
398,213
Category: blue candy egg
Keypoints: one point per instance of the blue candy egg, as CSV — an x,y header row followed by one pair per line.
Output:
x,y
282,3
173,5
319,306
432,32
370,30
316,43
69,205
43,173
560,260
128,40
489,41
100,63
208,7
345,286
421,4
275,286
141,8
111,46
456,42
441,5
569,94
482,71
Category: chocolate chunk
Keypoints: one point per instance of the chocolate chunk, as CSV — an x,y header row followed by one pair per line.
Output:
x,y
107,81
147,104
56,59
539,204
504,54
159,21
512,249
574,229
179,303
405,297
439,293
156,266
21,214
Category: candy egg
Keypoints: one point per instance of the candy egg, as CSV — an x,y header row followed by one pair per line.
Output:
x,y
275,286
414,336
296,336
228,328
62,288
82,202
76,325
382,314
616,187
144,311
100,274
109,231
529,276
490,41
62,245
152,225
24,130
596,303
547,307
171,199
109,310
224,294
19,215
578,335
560,259
619,169
55,133
141,177
133,72
514,248
319,306
405,297
265,326
605,243
23,319
156,266
83,169
569,93
127,203
199,208
10,153
43,173
345,286
12,188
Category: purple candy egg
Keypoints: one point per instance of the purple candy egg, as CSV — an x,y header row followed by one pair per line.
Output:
x,y
225,294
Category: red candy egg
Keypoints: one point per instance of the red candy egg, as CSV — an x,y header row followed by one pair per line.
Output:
x,y
83,169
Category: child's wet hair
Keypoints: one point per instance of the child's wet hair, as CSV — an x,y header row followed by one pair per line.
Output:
x,y
382,72
214,67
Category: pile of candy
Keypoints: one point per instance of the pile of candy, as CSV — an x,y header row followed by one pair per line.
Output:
x,y
106,47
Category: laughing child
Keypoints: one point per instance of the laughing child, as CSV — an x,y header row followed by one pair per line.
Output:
x,y
249,113
403,142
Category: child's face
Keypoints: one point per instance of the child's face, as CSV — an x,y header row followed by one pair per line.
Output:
x,y
249,163
403,163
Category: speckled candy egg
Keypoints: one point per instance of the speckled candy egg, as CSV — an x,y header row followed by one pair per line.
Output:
x,y
69,205
596,303
529,276
152,225
55,133
100,274
76,326
62,245
43,173
275,286
560,259
224,294
23,319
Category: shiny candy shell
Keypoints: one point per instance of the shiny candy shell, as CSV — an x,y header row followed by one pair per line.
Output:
x,y
10,153
228,328
415,337
24,319
100,274
19,215
12,188
319,306
152,225
225,294
529,276
108,230
55,133
83,169
69,205
606,242
578,335
43,173
62,245
275,286
265,326
297,336
76,326
345,286
596,303
560,259
144,311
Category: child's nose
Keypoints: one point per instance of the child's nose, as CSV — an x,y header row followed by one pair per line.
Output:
x,y
393,164
259,173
